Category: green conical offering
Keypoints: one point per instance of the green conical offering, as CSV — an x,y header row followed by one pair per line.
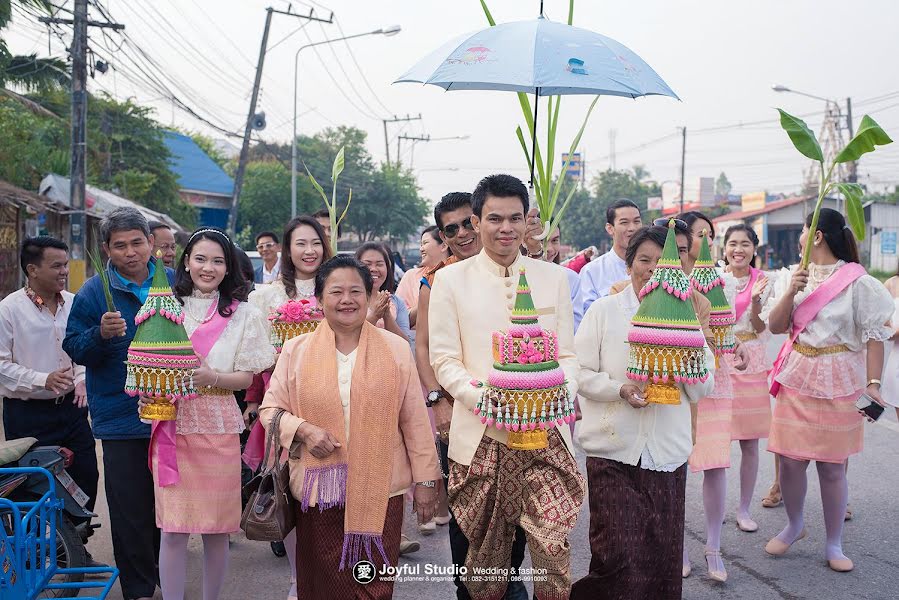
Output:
x,y
667,344
707,280
524,312
161,359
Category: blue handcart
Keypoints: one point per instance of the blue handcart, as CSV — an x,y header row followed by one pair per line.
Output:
x,y
28,549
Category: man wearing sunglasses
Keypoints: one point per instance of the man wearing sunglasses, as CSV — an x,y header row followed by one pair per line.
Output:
x,y
268,247
623,219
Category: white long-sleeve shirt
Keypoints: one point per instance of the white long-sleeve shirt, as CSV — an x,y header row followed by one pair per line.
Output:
x,y
31,346
598,276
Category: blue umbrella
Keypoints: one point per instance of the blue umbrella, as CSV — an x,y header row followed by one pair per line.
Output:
x,y
538,57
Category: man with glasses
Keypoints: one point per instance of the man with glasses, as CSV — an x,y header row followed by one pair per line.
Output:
x,y
164,240
622,221
268,247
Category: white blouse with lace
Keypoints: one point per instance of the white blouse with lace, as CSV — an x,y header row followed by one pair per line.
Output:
x,y
757,348
269,297
242,346
857,314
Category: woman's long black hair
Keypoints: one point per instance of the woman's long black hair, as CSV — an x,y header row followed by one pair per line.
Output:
x,y
837,234
233,286
691,216
750,233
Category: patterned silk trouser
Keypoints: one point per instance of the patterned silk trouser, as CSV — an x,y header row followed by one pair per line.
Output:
x,y
540,490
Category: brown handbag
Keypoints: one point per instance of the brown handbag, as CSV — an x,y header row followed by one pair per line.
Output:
x,y
269,513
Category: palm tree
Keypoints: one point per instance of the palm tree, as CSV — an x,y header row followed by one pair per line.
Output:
x,y
28,73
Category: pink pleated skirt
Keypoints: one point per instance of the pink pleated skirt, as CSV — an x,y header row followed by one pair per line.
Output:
x,y
711,450
751,417
207,499
820,429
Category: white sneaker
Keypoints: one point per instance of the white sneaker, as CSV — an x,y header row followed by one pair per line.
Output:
x,y
428,528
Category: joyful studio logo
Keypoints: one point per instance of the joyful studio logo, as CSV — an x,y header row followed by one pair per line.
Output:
x,y
364,572
576,67
471,56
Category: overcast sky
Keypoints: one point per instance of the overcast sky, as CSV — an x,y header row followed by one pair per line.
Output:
x,y
720,57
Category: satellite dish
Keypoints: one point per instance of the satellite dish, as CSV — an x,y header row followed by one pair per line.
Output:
x,y
258,121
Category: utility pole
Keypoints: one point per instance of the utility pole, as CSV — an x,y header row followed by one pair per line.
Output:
x,y
248,126
413,139
683,164
613,133
78,167
395,119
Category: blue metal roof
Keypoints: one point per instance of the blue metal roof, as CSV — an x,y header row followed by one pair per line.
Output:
x,y
193,167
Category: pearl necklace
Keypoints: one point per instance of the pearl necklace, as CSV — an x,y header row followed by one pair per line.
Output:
x,y
741,289
200,296
305,283
820,273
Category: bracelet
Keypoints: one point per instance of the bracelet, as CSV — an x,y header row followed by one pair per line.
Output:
x,y
215,383
873,381
537,255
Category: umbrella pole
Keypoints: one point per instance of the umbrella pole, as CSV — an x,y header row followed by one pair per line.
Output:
x,y
534,136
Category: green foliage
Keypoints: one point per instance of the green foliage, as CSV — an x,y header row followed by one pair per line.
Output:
x,y
28,72
584,222
265,198
391,207
207,145
723,186
865,140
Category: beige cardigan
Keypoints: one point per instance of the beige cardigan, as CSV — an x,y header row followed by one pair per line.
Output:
x,y
611,428
414,452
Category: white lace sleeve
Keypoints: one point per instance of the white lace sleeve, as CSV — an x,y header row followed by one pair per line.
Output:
x,y
777,284
730,287
254,352
874,308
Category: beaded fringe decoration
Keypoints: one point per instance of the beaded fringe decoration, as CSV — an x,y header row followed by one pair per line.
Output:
x,y
282,331
664,367
671,279
155,382
526,414
725,340
163,304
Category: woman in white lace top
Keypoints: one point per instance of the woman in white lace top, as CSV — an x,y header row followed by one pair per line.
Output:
x,y
835,358
206,497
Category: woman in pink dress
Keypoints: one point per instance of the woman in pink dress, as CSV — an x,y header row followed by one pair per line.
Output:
x,y
433,251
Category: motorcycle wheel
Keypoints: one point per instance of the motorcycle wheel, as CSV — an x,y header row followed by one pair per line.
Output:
x,y
69,554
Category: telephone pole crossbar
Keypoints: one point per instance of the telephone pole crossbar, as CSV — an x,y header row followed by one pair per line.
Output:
x,y
395,119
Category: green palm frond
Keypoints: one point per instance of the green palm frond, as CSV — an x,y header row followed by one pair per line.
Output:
x,y
34,74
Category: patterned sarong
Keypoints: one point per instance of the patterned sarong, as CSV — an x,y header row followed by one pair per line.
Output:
x,y
540,490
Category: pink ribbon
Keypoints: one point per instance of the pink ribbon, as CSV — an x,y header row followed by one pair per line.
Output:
x,y
809,308
162,434
744,297
254,449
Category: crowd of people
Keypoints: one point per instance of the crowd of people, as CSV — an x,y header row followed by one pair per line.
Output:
x,y
378,406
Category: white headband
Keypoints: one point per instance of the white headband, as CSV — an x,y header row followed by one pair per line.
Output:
x,y
199,231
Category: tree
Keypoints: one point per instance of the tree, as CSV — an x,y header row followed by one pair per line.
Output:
x,y
29,72
265,198
390,208
723,186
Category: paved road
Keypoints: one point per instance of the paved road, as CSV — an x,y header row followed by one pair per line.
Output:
x,y
871,540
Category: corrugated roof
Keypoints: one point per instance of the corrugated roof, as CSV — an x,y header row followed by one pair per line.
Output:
x,y
193,167
770,207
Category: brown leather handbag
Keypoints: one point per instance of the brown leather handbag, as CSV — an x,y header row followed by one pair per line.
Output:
x,y
269,513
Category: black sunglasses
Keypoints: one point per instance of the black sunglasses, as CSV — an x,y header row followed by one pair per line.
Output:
x,y
451,230
663,222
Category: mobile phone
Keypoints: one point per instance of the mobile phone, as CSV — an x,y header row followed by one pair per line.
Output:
x,y
867,405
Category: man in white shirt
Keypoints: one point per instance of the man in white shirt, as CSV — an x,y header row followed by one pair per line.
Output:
x,y
268,247
43,390
492,488
597,276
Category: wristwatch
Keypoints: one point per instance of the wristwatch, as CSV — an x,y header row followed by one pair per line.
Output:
x,y
536,254
427,484
873,382
434,396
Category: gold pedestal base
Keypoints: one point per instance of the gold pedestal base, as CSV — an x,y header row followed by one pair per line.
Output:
x,y
528,440
663,393
159,410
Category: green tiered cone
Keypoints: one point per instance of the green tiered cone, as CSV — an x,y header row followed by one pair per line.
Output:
x,y
161,359
666,340
707,280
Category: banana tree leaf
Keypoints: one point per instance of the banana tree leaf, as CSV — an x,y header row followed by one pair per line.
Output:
x,y
318,187
869,135
574,144
487,14
855,214
337,168
558,218
801,136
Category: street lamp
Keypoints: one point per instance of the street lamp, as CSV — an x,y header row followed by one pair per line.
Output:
x,y
386,31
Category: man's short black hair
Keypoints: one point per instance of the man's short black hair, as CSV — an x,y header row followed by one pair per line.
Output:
x,y
342,261
614,206
449,203
321,214
270,234
498,186
32,252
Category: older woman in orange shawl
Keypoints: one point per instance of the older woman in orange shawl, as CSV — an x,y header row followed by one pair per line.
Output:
x,y
358,434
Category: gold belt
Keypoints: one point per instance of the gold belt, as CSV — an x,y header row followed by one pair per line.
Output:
x,y
214,391
748,336
813,351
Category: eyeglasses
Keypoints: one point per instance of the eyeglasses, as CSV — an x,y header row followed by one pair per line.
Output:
x,y
266,246
171,247
451,230
663,222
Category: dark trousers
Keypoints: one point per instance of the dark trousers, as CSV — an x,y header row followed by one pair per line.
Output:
x,y
132,515
61,424
459,544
